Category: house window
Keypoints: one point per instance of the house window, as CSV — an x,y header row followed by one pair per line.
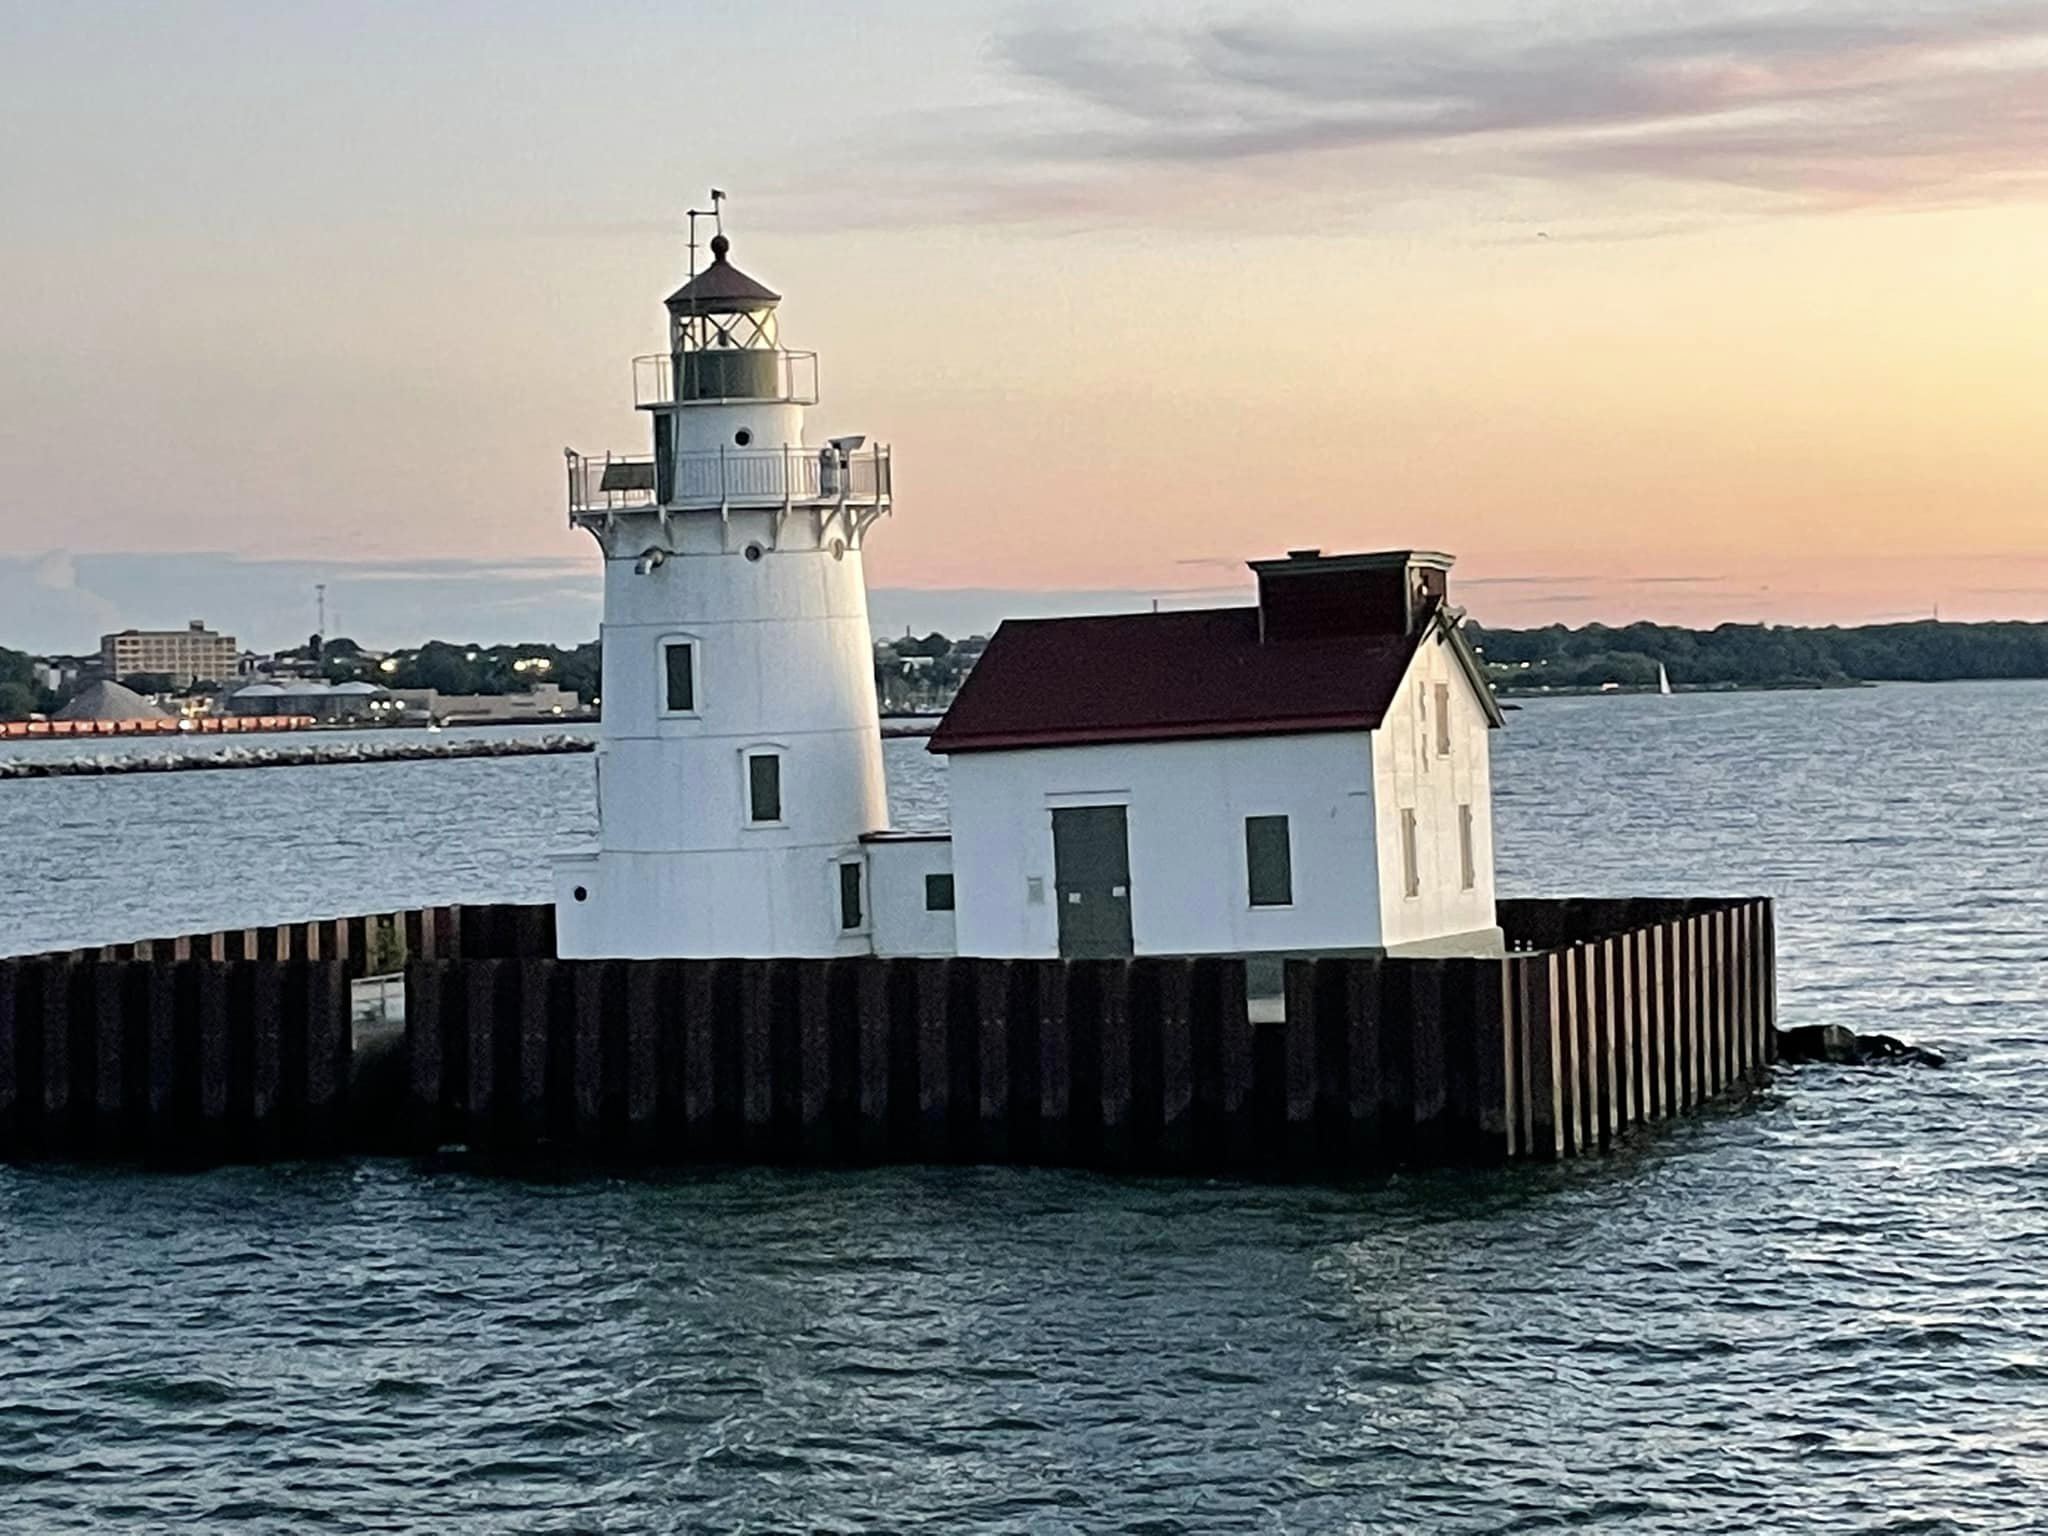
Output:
x,y
1269,866
938,893
1468,862
1443,719
849,896
1411,857
764,787
679,662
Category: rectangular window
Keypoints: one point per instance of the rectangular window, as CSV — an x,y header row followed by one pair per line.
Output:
x,y
849,896
938,893
764,787
679,658
1411,857
1468,859
1443,719
1269,864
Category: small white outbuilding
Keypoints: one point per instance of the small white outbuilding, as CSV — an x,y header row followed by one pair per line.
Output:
x,y
1306,776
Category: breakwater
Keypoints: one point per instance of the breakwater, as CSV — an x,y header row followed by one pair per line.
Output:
x,y
296,756
1604,1017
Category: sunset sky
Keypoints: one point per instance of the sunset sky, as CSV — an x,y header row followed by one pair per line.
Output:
x,y
1685,311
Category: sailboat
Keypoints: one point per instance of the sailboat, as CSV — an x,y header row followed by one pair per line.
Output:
x,y
1663,679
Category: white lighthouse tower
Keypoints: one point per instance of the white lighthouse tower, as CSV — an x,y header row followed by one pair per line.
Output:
x,y
741,760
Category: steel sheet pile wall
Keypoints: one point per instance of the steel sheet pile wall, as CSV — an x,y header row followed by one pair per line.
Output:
x,y
837,1060
366,945
1127,1064
194,1060
1635,1023
232,1044
1604,1015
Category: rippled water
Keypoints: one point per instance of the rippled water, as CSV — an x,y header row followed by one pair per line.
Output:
x,y
1828,1311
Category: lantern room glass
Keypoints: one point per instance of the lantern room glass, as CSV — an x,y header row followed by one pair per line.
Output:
x,y
747,330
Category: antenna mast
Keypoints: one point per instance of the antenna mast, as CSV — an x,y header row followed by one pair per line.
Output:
x,y
716,214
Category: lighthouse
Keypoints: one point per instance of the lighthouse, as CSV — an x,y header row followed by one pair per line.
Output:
x,y
740,763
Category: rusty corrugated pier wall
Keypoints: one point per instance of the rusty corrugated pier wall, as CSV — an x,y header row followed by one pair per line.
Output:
x,y
1603,1016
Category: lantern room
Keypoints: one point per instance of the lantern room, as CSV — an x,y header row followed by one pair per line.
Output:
x,y
722,338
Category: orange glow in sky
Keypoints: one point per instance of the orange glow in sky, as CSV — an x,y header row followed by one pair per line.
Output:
x,y
1740,317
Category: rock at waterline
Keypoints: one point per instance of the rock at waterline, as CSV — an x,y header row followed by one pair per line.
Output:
x,y
1842,1046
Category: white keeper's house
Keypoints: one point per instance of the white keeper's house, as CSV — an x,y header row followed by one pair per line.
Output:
x,y
1304,775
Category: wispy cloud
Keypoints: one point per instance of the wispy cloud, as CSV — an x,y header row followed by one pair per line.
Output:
x,y
1793,111
1612,580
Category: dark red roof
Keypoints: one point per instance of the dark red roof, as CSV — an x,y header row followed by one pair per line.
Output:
x,y
1169,676
722,288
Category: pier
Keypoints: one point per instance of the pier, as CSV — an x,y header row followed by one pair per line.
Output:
x,y
1604,1017
308,755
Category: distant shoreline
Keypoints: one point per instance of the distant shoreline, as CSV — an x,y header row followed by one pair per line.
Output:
x,y
1636,690
1605,658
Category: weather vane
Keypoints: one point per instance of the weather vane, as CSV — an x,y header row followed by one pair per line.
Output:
x,y
716,214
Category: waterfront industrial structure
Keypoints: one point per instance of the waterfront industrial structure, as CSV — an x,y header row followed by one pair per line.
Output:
x,y
360,703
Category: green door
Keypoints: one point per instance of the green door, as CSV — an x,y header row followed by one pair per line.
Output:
x,y
1091,860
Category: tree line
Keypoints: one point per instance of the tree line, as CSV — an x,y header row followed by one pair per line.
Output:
x,y
20,694
1761,656
922,672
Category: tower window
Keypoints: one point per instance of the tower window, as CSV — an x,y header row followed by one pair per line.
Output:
x,y
764,787
744,436
679,664
850,916
1443,719
938,893
1269,863
1468,857
1411,857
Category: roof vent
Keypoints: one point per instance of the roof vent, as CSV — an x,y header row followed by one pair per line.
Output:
x,y
1304,554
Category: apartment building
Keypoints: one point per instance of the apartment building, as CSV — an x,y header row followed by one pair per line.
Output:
x,y
185,655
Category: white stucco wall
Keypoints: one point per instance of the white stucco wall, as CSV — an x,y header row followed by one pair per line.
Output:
x,y
900,922
784,664
1187,803
708,904
1410,774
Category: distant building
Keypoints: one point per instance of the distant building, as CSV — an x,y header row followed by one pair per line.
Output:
x,y
543,701
185,656
60,674
329,702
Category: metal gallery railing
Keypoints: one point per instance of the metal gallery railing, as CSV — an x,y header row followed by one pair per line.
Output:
x,y
730,477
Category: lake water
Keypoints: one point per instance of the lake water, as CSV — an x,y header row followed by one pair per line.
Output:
x,y
1827,1311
